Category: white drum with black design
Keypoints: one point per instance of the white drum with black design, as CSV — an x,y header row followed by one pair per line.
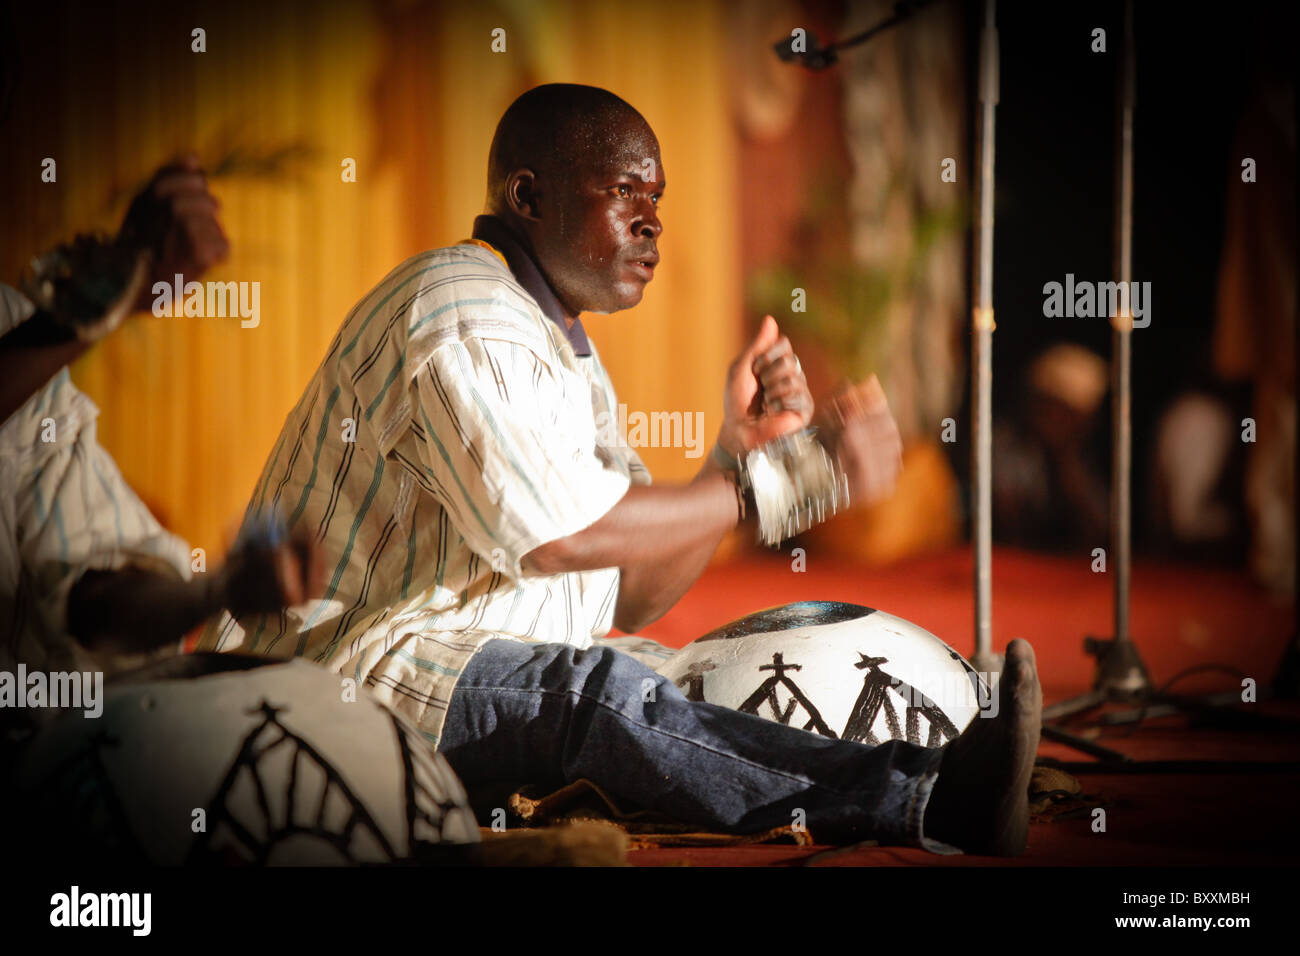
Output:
x,y
236,760
839,670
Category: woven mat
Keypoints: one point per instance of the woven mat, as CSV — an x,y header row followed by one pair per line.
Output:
x,y
583,801
1053,795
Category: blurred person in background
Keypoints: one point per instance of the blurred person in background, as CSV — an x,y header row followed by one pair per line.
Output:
x,y
1049,481
89,579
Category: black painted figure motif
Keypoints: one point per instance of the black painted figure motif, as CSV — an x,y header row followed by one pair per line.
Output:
x,y
257,839
766,694
874,697
692,681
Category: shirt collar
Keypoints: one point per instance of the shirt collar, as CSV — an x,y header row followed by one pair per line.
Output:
x,y
493,231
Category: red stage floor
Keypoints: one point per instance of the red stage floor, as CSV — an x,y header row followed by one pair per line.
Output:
x,y
1182,616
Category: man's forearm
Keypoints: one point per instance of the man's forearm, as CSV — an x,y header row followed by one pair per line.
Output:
x,y
132,610
648,590
660,538
30,355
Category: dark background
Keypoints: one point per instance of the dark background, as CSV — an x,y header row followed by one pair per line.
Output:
x,y
1056,150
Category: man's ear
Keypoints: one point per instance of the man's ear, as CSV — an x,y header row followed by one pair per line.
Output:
x,y
521,194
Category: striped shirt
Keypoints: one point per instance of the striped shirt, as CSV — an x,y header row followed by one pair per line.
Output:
x,y
65,510
449,431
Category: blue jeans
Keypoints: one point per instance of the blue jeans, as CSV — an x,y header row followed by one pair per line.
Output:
x,y
550,714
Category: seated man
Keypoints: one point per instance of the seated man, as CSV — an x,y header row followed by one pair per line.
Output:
x,y
479,535
88,578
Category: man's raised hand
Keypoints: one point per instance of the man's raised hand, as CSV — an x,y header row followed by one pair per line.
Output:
x,y
856,425
270,570
766,394
174,221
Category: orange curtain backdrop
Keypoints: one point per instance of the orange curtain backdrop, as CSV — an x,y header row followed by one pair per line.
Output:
x,y
284,93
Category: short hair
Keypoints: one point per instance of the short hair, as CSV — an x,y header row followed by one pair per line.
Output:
x,y
554,127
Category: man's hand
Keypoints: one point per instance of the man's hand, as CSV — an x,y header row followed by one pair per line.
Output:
x,y
171,227
766,394
174,221
858,426
134,610
264,574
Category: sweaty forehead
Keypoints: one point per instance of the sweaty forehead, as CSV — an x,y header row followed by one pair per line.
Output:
x,y
614,147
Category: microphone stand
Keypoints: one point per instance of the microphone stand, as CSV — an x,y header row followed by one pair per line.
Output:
x,y
982,325
817,57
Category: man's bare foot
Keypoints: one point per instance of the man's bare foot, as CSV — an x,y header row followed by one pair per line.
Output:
x,y
980,801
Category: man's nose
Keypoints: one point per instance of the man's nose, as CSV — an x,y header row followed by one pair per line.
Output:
x,y
647,225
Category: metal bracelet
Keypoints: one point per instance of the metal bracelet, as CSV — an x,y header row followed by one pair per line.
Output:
x,y
723,460
87,285
796,484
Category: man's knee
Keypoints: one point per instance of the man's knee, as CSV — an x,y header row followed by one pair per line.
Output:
x,y
618,679
599,674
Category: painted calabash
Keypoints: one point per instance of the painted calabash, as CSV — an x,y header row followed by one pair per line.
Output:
x,y
840,670
250,763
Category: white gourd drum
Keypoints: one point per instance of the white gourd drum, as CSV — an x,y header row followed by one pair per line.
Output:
x,y
840,670
268,764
